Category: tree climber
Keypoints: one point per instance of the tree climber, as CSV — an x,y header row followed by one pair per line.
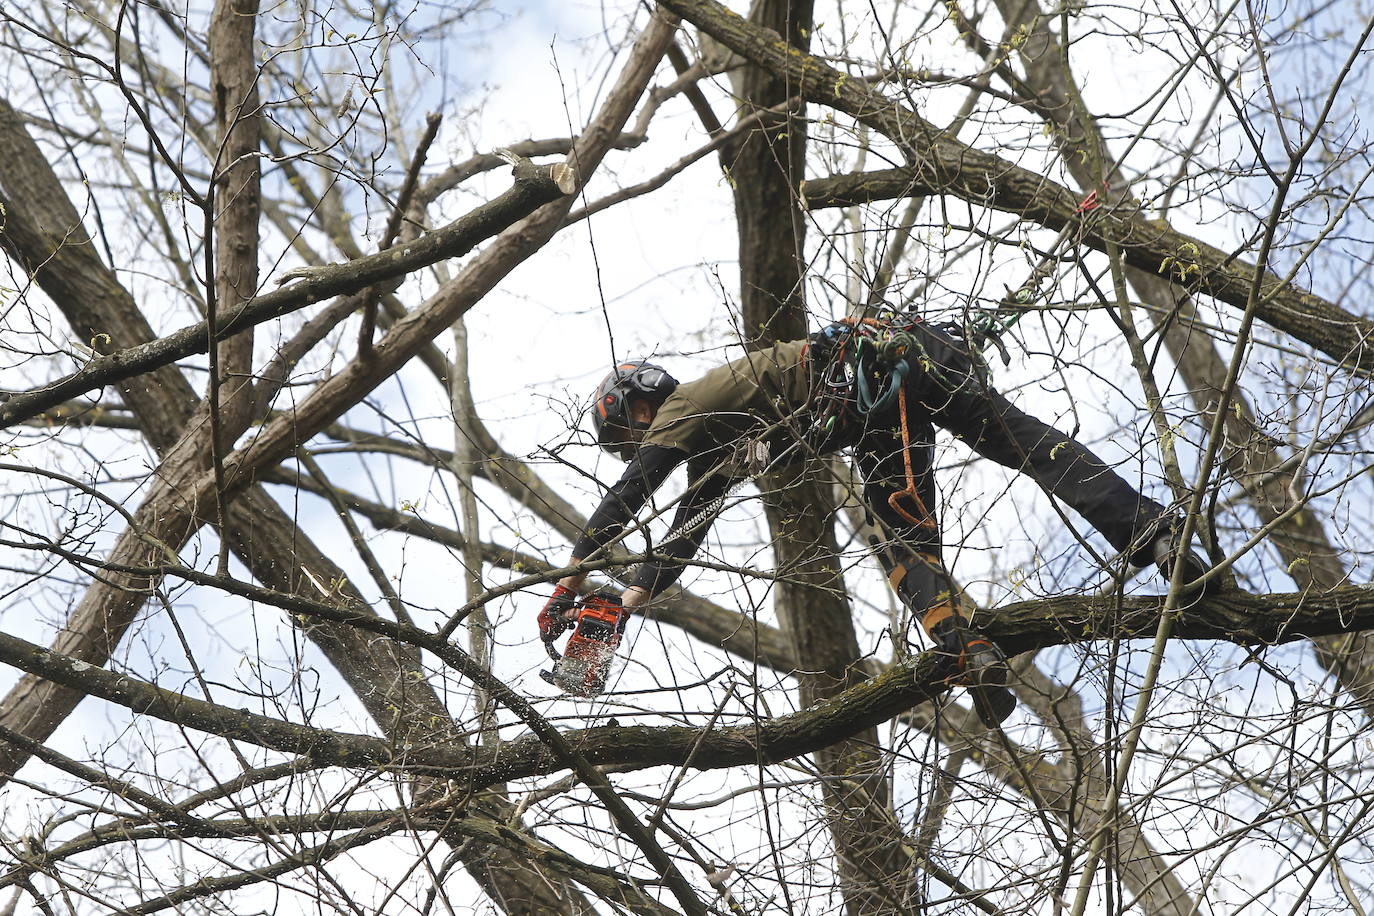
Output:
x,y
877,388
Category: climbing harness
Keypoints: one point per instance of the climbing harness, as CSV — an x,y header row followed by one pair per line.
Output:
x,y
860,367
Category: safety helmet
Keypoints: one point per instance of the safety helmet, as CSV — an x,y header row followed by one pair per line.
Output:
x,y
610,412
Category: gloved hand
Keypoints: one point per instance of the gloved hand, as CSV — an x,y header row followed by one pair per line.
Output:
x,y
553,621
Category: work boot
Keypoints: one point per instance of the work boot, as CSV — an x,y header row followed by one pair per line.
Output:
x,y
979,666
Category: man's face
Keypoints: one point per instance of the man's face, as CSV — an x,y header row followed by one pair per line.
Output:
x,y
641,415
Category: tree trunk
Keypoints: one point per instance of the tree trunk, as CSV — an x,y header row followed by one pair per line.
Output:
x,y
766,168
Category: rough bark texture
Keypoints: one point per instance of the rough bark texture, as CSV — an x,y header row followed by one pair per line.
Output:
x,y
345,827
533,188
413,333
44,229
472,284
1153,250
1243,619
873,856
237,200
1077,788
765,168
389,681
45,234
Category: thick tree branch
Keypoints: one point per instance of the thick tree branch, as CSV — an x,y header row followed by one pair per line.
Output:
x,y
1149,245
1241,618
460,172
941,164
443,815
534,187
233,209
385,677
1301,540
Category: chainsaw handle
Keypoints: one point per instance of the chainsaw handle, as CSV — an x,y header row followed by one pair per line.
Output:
x,y
581,606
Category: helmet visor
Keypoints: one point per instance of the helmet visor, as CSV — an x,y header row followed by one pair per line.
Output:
x,y
612,410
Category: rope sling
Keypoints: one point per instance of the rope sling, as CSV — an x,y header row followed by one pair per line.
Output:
x,y
862,368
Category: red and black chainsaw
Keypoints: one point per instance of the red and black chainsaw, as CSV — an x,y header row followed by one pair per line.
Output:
x,y
583,667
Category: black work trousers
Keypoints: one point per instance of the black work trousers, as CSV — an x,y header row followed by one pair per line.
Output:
x,y
948,387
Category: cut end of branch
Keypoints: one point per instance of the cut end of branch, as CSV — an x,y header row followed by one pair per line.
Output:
x,y
299,273
565,176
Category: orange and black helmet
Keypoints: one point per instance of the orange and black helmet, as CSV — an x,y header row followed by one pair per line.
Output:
x,y
610,412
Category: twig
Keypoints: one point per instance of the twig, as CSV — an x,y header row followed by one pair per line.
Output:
x,y
393,228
